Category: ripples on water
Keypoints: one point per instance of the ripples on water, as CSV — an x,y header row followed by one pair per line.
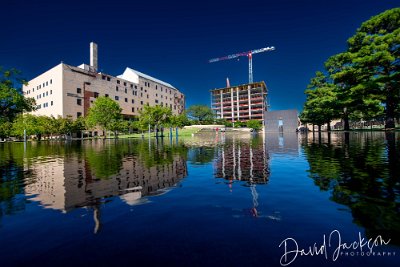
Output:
x,y
359,171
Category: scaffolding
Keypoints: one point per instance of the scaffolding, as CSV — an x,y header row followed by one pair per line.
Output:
x,y
240,103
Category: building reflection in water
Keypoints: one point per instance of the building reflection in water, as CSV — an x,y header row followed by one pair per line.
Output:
x,y
85,179
242,158
282,143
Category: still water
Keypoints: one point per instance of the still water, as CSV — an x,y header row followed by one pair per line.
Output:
x,y
208,200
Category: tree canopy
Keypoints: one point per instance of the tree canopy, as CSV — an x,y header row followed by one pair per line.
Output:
x,y
104,113
365,77
200,112
12,101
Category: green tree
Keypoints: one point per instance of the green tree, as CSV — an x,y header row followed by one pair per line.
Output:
x,y
254,124
200,112
5,129
156,116
26,122
104,113
79,125
12,101
368,72
179,120
321,102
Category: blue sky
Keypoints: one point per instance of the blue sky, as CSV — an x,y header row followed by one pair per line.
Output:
x,y
173,40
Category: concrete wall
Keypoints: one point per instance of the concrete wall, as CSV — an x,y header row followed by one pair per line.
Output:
x,y
46,89
281,121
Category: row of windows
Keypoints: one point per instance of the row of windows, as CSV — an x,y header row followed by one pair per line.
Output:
x,y
45,105
104,77
39,96
126,90
146,84
39,87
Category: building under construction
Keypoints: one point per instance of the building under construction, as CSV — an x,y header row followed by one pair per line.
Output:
x,y
240,103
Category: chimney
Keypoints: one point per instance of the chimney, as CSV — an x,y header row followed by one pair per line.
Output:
x,y
228,84
93,56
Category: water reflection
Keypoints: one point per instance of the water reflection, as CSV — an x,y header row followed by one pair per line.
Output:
x,y
362,171
65,176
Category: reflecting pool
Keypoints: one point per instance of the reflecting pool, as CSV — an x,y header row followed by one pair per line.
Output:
x,y
209,200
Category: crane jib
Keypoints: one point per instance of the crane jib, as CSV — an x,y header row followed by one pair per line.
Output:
x,y
243,54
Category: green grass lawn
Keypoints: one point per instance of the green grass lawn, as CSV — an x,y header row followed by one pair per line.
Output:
x,y
181,133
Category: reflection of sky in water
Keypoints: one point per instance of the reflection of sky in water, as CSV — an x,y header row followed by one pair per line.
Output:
x,y
205,197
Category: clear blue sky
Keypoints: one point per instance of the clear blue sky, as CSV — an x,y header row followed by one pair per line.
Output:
x,y
172,40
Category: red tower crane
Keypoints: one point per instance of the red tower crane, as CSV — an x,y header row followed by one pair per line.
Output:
x,y
248,54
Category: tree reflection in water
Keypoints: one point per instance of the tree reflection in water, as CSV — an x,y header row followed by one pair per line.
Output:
x,y
64,176
362,171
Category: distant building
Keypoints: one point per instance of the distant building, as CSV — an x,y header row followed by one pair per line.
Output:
x,y
67,90
281,121
240,103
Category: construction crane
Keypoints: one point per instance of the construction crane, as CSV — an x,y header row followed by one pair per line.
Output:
x,y
248,54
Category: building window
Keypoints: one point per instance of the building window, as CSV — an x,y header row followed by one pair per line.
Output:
x,y
108,79
51,91
141,102
161,89
126,90
43,85
116,97
126,99
156,100
43,94
103,77
133,109
141,94
51,103
132,86
96,95
141,88
156,94
135,86
79,102
156,86
78,90
116,88
133,101
145,91
118,81
47,83
124,83
47,93
147,96
175,107
51,81
106,95
78,114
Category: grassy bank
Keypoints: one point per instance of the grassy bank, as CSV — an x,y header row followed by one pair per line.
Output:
x,y
181,133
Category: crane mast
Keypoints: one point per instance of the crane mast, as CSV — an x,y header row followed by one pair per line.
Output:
x,y
248,54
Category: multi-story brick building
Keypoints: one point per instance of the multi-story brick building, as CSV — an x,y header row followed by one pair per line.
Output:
x,y
240,103
67,90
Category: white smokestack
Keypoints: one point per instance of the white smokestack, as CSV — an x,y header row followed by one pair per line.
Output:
x,y
93,56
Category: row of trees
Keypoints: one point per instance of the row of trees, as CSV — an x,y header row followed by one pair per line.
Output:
x,y
361,83
104,114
